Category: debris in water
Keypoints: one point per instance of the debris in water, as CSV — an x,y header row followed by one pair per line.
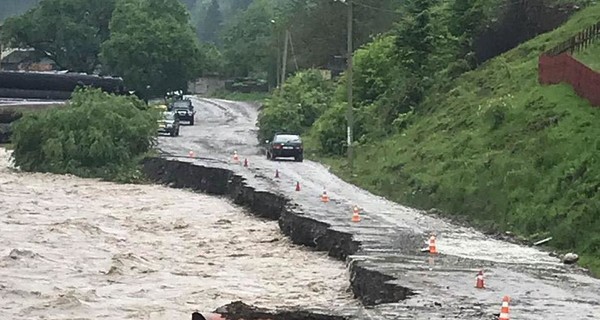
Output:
x,y
18,253
542,241
238,310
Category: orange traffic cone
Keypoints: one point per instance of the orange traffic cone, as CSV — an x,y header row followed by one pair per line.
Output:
x,y
246,163
355,214
324,197
504,310
191,154
298,186
277,173
432,247
236,158
479,284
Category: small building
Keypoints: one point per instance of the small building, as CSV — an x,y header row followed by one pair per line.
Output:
x,y
337,65
20,59
206,85
325,73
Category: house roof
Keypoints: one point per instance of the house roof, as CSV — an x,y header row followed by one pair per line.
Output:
x,y
16,52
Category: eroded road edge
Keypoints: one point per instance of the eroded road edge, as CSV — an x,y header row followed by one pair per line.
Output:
x,y
370,286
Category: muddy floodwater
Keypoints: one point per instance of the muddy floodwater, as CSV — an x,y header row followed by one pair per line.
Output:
x,y
74,248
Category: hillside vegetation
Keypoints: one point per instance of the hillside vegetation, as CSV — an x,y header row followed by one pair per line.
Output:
x,y
502,150
490,146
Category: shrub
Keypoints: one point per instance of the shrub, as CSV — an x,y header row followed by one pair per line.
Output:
x,y
302,101
95,135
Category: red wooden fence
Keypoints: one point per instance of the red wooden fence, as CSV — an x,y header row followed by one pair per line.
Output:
x,y
557,65
565,68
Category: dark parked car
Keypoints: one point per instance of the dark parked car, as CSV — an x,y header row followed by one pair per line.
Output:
x,y
169,124
184,109
285,145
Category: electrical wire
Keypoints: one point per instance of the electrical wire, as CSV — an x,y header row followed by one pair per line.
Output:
x,y
375,8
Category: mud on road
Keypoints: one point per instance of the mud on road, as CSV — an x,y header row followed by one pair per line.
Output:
x,y
74,248
392,235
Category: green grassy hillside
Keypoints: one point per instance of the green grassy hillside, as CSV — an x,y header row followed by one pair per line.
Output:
x,y
502,151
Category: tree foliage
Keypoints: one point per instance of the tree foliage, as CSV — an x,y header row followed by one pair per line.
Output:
x,y
152,46
70,32
237,5
246,40
295,107
414,37
466,19
190,4
95,135
375,68
319,28
212,23
329,130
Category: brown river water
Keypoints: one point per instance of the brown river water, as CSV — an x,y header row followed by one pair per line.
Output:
x,y
74,248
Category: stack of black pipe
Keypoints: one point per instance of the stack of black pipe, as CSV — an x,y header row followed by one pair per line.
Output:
x,y
53,85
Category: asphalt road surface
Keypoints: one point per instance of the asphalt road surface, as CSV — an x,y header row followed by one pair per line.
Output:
x,y
392,235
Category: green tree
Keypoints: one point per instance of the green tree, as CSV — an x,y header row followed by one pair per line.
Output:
x,y
190,4
237,5
415,43
466,18
70,32
212,23
414,37
95,135
152,46
318,28
374,69
246,40
302,101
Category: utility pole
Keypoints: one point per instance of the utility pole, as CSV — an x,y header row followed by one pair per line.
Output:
x,y
278,54
350,115
285,54
278,60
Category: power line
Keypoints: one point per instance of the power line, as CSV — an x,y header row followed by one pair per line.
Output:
x,y
376,8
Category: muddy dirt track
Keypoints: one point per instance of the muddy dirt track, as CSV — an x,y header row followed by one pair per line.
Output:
x,y
392,235
74,248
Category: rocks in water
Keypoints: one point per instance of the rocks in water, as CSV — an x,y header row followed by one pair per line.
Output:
x,y
570,258
18,253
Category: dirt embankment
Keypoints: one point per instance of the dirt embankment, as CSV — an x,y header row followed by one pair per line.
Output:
x,y
369,286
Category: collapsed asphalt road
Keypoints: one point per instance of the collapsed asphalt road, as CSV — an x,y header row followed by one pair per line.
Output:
x,y
391,235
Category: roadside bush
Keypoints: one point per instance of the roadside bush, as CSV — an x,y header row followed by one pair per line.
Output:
x,y
302,101
330,131
95,135
375,69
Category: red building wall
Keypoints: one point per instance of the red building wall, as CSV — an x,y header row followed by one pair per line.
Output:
x,y
565,68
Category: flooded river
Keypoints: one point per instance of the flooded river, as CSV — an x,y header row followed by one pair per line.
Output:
x,y
74,248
